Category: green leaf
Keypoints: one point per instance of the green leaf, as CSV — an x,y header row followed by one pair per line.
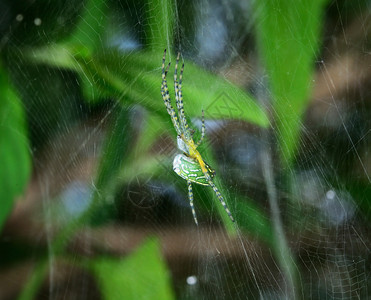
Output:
x,y
141,275
114,158
136,78
89,31
15,158
252,219
288,34
159,25
114,152
249,216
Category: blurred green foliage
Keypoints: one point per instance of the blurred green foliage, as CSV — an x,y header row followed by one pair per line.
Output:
x,y
141,275
288,36
15,157
134,78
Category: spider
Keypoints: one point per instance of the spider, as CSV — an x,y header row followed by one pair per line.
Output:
x,y
189,165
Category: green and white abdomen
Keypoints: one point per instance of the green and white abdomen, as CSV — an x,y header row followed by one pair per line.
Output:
x,y
189,169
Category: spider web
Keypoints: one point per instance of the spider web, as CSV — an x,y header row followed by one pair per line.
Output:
x,y
308,239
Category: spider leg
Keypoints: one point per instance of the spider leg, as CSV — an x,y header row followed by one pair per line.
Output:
x,y
202,130
170,109
190,196
176,87
166,96
181,113
164,88
219,195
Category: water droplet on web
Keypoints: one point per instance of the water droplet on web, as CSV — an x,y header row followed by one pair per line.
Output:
x,y
37,21
330,194
76,198
191,280
19,17
338,207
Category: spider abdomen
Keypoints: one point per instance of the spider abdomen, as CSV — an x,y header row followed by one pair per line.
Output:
x,y
189,169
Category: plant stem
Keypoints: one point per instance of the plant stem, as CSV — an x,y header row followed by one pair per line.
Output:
x,y
281,248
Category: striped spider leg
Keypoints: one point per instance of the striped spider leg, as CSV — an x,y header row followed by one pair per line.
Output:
x,y
189,165
166,96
